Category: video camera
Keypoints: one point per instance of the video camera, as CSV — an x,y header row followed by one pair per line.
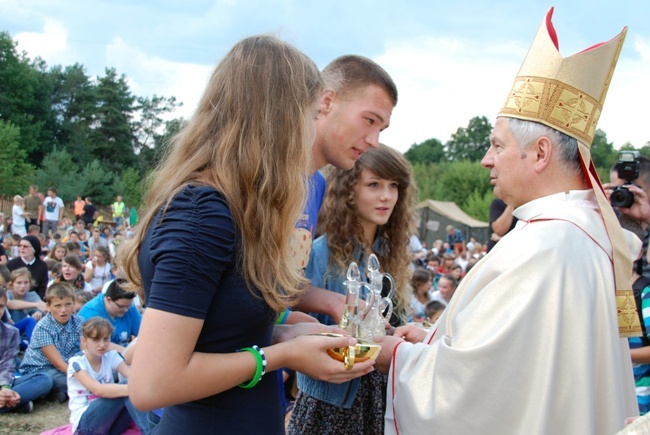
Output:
x,y
627,167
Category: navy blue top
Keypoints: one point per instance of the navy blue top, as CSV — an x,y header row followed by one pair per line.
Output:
x,y
188,260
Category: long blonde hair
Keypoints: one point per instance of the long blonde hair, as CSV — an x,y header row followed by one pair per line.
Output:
x,y
250,139
339,219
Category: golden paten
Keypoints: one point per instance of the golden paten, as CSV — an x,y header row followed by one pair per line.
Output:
x,y
348,355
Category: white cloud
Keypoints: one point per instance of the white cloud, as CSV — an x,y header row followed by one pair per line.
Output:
x,y
149,75
443,83
625,115
51,44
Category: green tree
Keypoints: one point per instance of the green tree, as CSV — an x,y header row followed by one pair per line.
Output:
x,y
645,150
465,183
130,185
470,143
62,108
58,170
149,157
426,178
73,102
477,205
149,124
111,139
17,174
429,151
19,81
459,179
627,146
603,153
96,181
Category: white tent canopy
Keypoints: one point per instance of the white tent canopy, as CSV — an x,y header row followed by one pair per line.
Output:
x,y
436,215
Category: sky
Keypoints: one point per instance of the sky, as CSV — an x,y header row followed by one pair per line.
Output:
x,y
451,61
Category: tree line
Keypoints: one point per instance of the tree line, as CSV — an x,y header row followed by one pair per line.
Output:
x,y
85,135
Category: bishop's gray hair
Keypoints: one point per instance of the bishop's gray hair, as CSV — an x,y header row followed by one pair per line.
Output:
x,y
526,132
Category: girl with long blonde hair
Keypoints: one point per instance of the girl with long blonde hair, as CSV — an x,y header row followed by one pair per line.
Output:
x,y
212,252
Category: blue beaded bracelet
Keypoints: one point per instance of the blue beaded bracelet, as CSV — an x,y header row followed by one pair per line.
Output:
x,y
260,369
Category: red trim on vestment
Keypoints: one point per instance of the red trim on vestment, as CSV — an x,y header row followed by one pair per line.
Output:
x,y
431,338
393,384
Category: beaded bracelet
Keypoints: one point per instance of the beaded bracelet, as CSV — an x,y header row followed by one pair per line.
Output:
x,y
260,369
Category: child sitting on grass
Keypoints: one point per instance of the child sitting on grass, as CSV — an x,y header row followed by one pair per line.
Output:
x,y
25,307
16,394
22,303
55,340
97,404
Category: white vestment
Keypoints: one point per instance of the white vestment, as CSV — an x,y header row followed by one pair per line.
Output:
x,y
529,342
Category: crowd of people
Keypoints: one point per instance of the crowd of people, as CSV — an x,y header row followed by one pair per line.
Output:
x,y
275,186
66,319
438,271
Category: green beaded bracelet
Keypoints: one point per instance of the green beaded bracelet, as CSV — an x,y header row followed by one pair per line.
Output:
x,y
260,369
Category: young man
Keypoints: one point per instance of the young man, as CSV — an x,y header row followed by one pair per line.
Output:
x,y
54,209
355,107
55,340
532,340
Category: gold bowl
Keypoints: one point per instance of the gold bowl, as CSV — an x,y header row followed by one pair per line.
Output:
x,y
348,355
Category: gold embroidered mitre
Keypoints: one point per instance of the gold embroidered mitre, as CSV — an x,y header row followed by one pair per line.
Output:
x,y
567,94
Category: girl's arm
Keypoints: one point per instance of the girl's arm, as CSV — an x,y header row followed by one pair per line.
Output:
x,y
127,354
88,272
16,304
124,369
165,351
318,300
107,391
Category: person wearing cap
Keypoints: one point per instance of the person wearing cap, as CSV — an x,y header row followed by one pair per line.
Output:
x,y
532,341
29,249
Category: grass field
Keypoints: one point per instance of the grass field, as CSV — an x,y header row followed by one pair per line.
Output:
x,y
45,416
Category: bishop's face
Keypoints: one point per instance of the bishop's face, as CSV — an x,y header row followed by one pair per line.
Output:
x,y
510,167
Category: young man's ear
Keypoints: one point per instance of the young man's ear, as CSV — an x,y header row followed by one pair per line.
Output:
x,y
327,98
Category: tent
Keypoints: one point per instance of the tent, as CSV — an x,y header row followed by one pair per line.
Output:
x,y
434,216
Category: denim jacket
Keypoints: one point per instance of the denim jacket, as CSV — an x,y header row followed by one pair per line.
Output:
x,y
320,275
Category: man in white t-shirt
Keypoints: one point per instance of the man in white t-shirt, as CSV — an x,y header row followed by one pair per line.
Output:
x,y
53,211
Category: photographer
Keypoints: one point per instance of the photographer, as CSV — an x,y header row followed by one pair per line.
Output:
x,y
628,191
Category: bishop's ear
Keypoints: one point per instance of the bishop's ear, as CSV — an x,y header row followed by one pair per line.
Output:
x,y
542,151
